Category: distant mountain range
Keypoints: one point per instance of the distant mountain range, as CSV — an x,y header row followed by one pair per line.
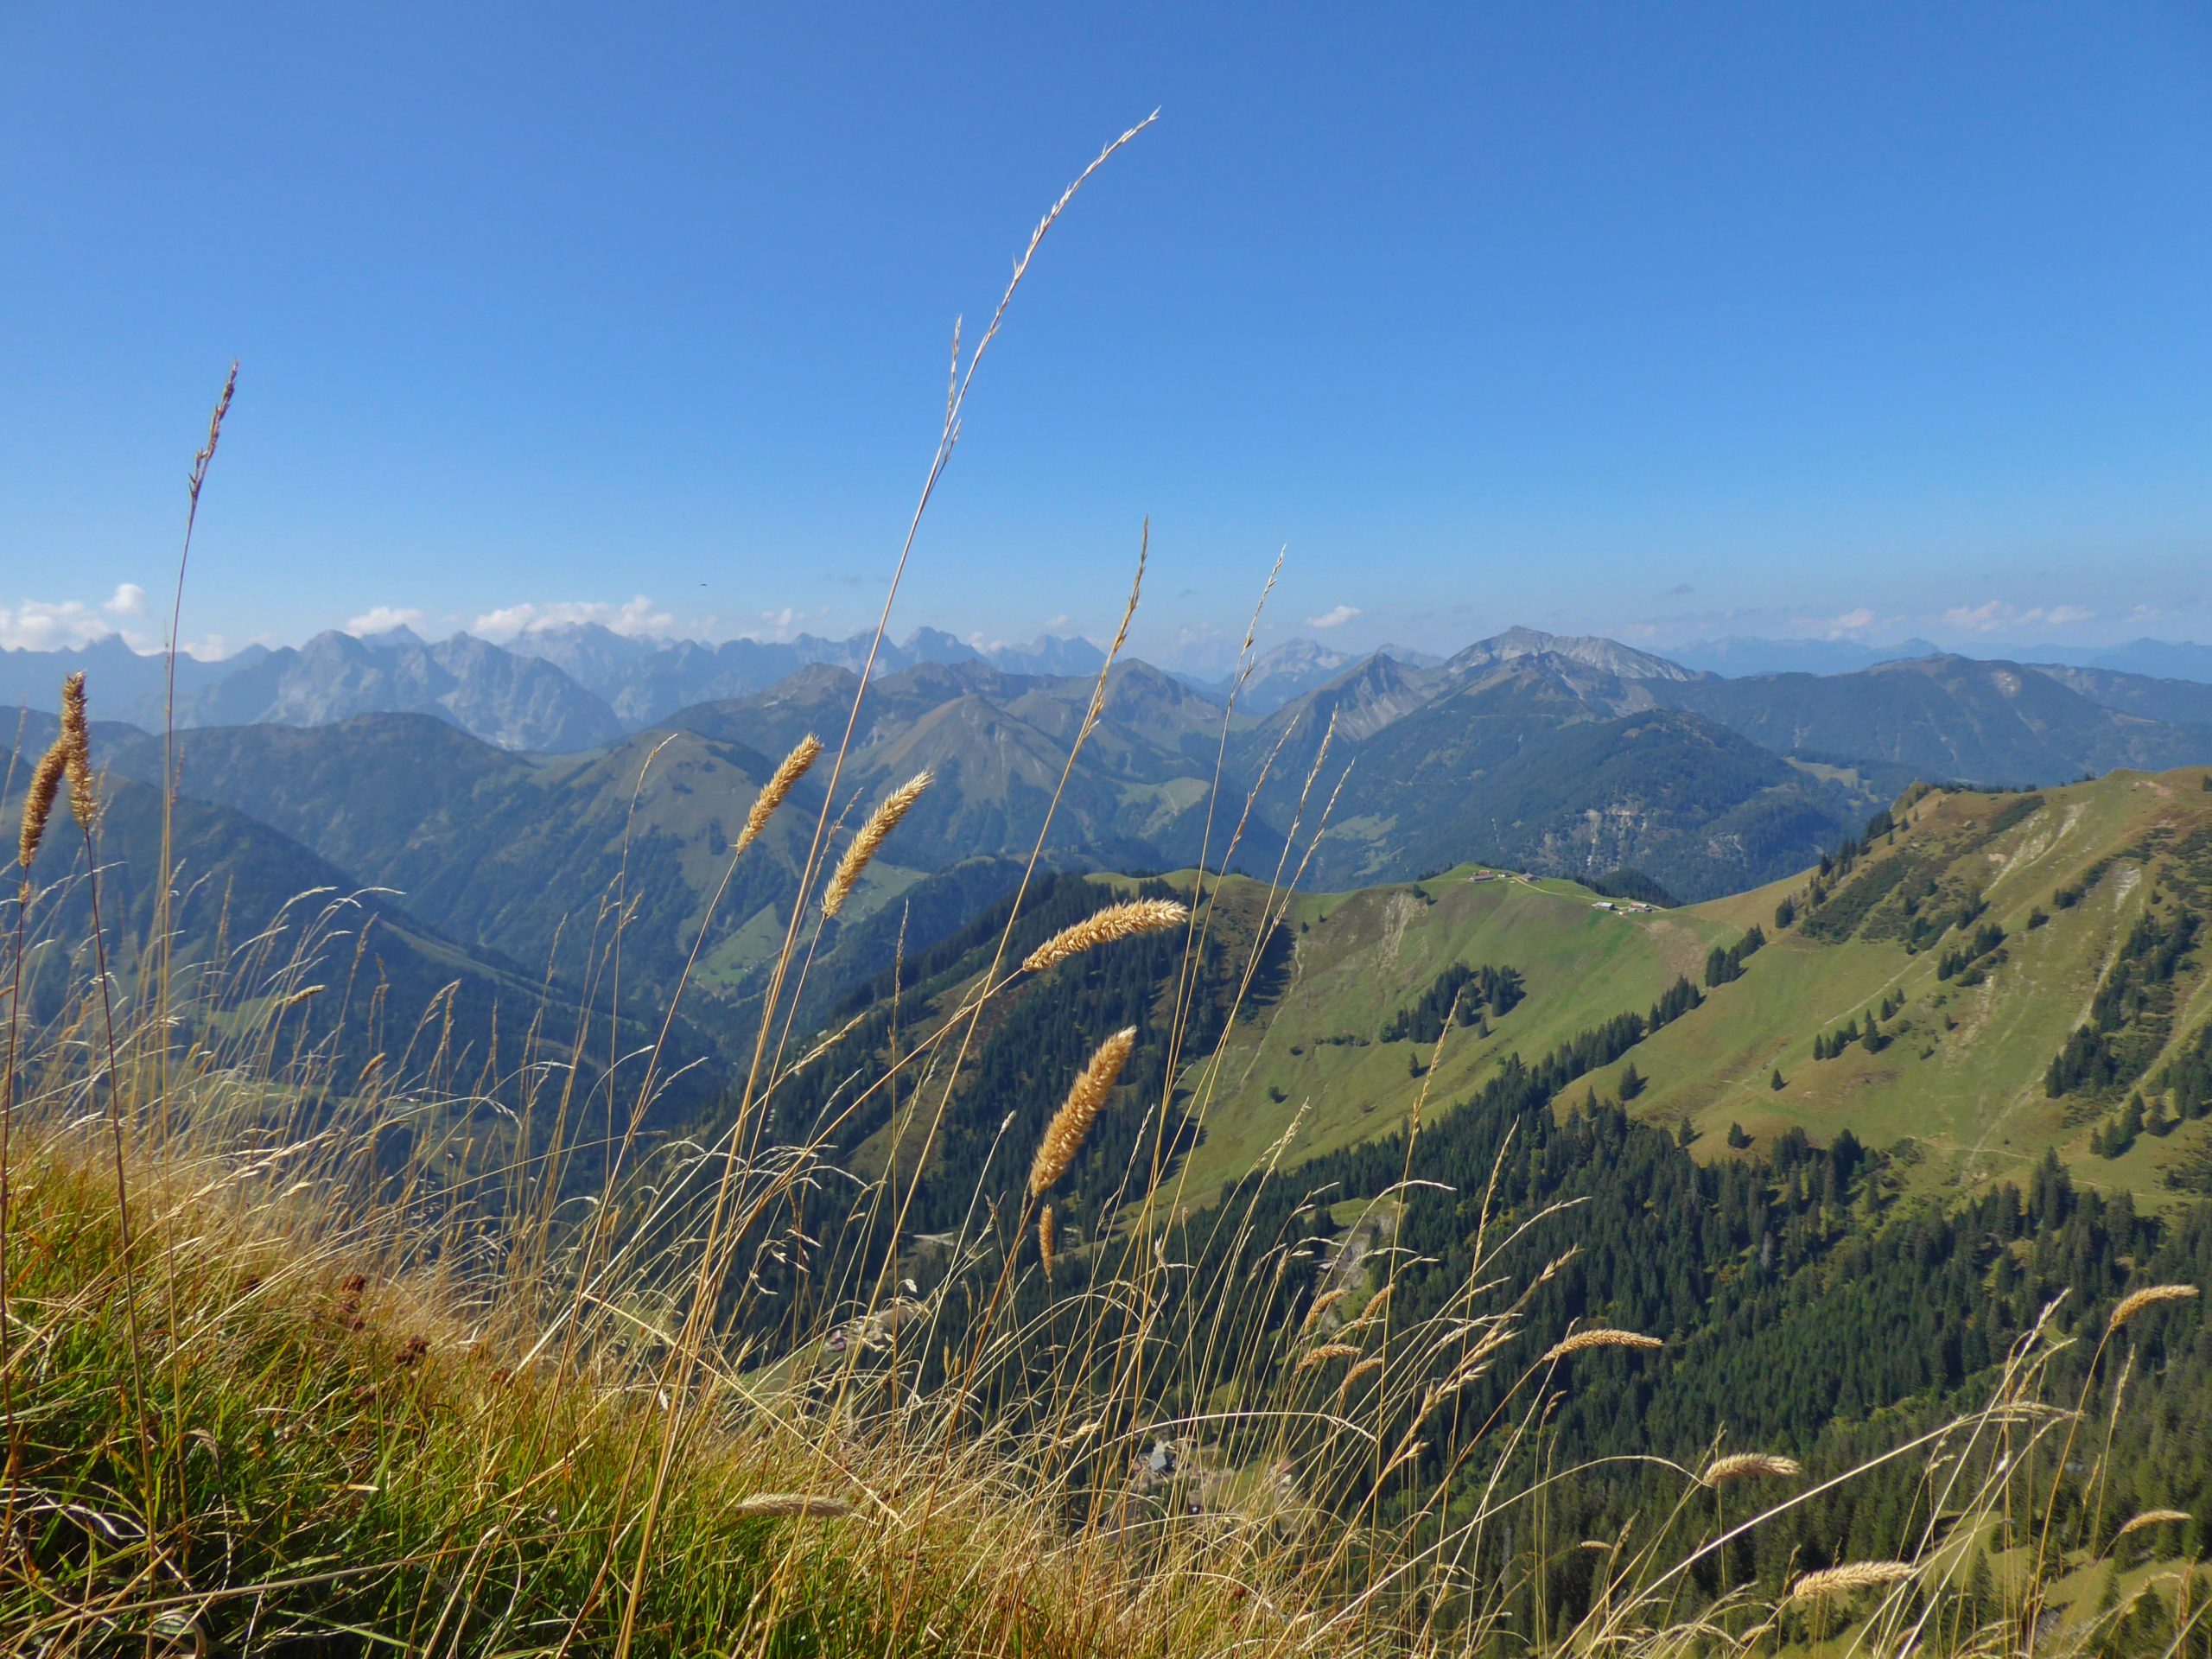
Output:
x,y
491,785
552,690
562,689
1735,655
1567,755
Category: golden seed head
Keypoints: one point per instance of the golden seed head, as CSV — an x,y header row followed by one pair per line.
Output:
x,y
1852,1575
1322,1304
1064,1135
1748,1465
1108,926
38,803
872,836
1047,1239
1582,1341
1366,1367
2151,1519
1324,1354
779,785
76,741
2150,1296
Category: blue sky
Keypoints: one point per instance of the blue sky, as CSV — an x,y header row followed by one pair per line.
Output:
x,y
1665,322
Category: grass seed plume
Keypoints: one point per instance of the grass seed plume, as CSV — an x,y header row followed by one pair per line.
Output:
x,y
1065,1135
869,842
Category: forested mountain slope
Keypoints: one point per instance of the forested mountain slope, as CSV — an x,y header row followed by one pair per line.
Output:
x,y
1949,718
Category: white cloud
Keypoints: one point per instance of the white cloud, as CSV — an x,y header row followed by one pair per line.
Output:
x,y
1335,617
1986,618
130,601
382,618
786,621
1997,616
39,624
639,617
1060,624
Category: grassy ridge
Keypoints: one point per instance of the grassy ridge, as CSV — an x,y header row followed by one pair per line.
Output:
x,y
1360,957
1962,1074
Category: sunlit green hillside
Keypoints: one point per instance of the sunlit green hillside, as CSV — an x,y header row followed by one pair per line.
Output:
x,y
1977,933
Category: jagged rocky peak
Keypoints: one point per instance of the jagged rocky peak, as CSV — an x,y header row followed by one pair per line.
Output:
x,y
1590,651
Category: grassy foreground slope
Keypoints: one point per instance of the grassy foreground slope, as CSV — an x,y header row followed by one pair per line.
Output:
x,y
2053,887
346,1452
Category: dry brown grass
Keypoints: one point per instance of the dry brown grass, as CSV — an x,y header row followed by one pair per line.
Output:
x,y
790,1506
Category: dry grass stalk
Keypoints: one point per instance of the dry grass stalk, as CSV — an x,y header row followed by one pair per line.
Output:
x,y
1375,1307
1048,1243
1108,926
792,1506
1583,1341
1324,1353
1406,1455
1064,1135
1852,1575
214,432
1747,1465
772,794
306,992
871,838
826,1045
2150,1518
2150,1296
1475,1363
76,741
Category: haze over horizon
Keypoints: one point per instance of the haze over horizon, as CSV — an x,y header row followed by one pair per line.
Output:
x,y
1849,328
